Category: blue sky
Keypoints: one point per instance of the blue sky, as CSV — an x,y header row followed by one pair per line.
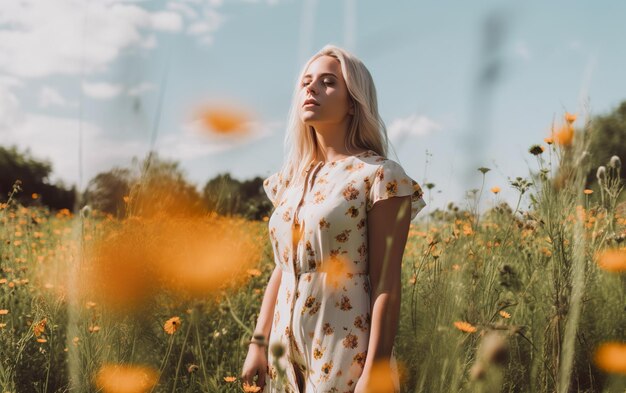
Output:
x,y
99,67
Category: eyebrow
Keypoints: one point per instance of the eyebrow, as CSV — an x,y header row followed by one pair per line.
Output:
x,y
324,74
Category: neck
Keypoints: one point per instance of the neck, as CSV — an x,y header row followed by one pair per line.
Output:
x,y
331,140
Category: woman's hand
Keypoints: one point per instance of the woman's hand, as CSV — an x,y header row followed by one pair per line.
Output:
x,y
255,364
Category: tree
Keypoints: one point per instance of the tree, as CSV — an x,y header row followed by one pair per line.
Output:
x,y
608,139
34,175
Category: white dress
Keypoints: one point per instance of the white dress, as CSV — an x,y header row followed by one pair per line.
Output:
x,y
322,311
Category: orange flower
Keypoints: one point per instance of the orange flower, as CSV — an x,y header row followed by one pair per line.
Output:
x,y
4,312
505,314
611,357
172,325
495,189
224,119
42,340
612,260
465,326
254,272
565,135
94,329
588,191
570,117
381,378
251,388
230,379
126,379
39,327
548,140
34,195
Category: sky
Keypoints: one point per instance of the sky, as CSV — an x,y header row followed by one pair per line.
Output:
x,y
105,77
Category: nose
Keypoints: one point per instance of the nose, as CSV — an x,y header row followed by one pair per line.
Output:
x,y
309,88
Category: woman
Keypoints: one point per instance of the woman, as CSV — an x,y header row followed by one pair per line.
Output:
x,y
333,300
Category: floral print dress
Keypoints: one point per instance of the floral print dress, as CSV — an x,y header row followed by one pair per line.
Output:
x,y
318,233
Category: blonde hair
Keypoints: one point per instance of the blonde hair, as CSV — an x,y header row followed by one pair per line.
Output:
x,y
366,130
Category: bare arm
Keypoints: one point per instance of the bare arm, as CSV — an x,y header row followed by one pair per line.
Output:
x,y
385,261
266,315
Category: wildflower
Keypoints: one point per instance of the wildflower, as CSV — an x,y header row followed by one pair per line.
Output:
x,y
612,260
126,379
224,120
536,150
380,378
495,189
565,135
278,349
4,312
34,195
192,368
483,170
588,191
611,357
570,117
615,162
465,326
172,325
505,314
601,173
254,272
549,140
251,388
230,379
2,325
42,340
94,329
39,327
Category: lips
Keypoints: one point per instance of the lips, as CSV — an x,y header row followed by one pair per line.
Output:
x,y
310,101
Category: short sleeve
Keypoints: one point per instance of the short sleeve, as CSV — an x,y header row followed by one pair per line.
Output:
x,y
270,185
390,180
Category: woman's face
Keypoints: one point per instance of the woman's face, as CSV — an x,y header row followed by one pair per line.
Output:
x,y
324,84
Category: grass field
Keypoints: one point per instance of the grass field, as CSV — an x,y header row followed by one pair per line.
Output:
x,y
506,300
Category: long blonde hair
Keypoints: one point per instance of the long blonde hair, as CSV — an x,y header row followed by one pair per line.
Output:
x,y
366,130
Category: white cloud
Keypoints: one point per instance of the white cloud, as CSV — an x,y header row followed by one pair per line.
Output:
x,y
140,88
9,109
101,90
41,38
50,97
413,125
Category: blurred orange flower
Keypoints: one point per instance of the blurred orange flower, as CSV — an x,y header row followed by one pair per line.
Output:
x,y
611,357
251,388
39,327
588,191
230,379
113,378
504,314
465,326
224,119
612,260
570,117
565,135
495,189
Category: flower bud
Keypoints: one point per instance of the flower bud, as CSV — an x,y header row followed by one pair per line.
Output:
x,y
615,163
601,173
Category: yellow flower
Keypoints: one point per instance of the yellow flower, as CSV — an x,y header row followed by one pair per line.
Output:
x,y
505,314
465,326
495,189
588,191
230,379
611,357
570,117
113,378
172,325
612,260
251,388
